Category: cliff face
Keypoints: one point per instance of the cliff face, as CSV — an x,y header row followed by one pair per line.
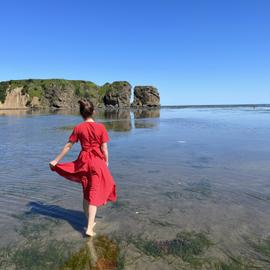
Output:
x,y
53,94
117,94
146,96
15,99
64,94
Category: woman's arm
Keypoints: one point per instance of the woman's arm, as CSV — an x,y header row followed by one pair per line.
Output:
x,y
104,149
63,152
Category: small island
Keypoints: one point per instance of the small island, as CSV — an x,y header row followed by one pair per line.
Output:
x,y
56,94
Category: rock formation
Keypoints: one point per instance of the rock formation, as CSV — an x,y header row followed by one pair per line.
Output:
x,y
15,99
146,96
64,94
117,94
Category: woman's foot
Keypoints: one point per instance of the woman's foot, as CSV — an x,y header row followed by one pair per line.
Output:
x,y
90,232
93,226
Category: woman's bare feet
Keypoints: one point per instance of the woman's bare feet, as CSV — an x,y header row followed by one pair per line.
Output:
x,y
93,226
90,232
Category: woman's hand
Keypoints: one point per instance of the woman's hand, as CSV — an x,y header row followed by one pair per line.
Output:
x,y
53,163
63,152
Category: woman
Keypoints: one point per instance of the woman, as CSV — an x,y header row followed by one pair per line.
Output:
x,y
91,167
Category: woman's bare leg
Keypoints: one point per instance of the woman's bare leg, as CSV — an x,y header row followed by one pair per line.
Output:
x,y
92,209
85,208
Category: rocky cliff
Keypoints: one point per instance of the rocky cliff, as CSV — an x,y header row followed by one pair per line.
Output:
x,y
64,94
146,96
117,94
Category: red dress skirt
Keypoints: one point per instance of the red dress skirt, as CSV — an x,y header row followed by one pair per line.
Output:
x,y
90,168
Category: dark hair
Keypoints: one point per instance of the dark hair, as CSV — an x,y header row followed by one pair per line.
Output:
x,y
86,108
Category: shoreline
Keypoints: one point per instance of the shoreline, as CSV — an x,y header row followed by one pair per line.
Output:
x,y
152,108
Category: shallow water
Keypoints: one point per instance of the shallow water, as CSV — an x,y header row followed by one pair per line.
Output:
x,y
177,171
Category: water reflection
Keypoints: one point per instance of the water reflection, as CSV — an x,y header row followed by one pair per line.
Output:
x,y
141,118
119,120
125,120
150,113
13,112
115,120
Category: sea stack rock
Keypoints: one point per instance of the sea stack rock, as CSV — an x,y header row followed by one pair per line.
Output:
x,y
117,94
146,96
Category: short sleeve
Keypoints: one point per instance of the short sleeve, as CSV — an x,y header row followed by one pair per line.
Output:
x,y
73,136
104,135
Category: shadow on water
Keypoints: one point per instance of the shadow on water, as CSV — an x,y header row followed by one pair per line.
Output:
x,y
75,218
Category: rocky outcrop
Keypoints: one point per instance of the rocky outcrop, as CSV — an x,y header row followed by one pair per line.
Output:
x,y
59,96
49,94
64,94
15,99
117,94
146,96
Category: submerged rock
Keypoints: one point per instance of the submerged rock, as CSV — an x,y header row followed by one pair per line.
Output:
x,y
146,96
117,94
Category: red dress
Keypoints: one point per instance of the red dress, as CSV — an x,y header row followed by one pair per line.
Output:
x,y
90,168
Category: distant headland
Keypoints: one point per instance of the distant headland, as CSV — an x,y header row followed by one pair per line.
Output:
x,y
64,94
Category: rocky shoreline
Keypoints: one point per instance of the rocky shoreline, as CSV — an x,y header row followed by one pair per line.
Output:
x,y
57,94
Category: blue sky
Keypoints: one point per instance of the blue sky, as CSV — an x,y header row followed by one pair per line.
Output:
x,y
193,51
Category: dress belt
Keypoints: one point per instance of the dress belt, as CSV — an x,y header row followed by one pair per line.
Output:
x,y
93,150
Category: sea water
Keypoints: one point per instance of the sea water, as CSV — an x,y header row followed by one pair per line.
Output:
x,y
193,190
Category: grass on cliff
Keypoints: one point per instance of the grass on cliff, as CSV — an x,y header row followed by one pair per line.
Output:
x,y
86,89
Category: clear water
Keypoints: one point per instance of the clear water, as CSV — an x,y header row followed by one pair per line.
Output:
x,y
176,170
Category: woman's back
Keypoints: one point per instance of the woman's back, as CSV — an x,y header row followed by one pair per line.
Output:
x,y
90,134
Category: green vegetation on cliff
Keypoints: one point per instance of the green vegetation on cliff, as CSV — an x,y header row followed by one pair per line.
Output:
x,y
3,93
52,91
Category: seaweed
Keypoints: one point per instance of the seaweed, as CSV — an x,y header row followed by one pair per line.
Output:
x,y
262,247
185,245
173,195
202,187
37,256
33,230
99,253
234,264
